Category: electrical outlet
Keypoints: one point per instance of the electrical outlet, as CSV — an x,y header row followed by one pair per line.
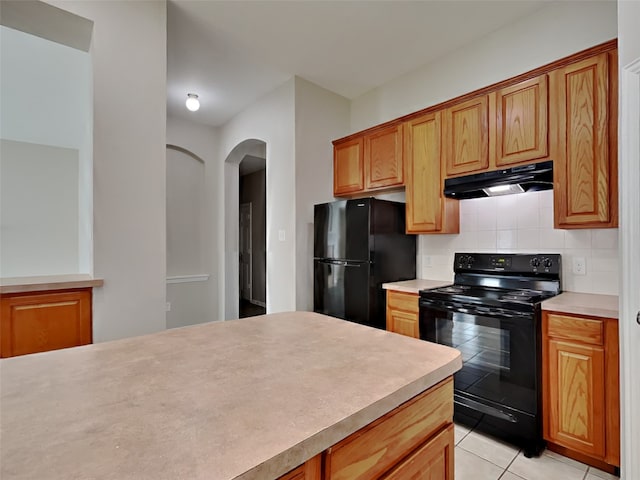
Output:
x,y
167,307
427,261
579,266
281,235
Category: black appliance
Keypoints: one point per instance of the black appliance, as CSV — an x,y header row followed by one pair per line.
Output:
x,y
492,315
359,245
525,178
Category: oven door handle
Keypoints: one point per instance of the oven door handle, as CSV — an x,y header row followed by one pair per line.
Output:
x,y
475,310
481,407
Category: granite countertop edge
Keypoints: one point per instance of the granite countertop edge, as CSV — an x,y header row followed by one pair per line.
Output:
x,y
415,285
577,303
48,282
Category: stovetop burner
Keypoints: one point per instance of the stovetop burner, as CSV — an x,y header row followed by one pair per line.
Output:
x,y
501,280
481,294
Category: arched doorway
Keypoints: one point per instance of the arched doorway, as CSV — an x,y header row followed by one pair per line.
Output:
x,y
245,230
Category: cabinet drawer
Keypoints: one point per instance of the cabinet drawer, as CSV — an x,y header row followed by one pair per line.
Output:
x,y
370,452
433,460
574,328
407,302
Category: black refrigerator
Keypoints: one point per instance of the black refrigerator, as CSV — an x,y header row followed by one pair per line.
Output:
x,y
359,245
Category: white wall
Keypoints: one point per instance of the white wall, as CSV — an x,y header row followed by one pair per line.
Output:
x,y
38,209
270,119
629,148
629,46
553,32
46,101
321,116
199,301
129,70
524,224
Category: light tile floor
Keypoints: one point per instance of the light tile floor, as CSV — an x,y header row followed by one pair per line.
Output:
x,y
481,457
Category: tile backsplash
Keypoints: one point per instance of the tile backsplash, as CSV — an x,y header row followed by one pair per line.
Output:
x,y
523,223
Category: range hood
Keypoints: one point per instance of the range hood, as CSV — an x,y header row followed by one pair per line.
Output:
x,y
526,178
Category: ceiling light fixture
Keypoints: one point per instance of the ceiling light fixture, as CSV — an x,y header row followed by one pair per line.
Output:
x,y
192,103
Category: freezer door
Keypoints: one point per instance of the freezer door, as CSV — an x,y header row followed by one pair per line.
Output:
x,y
341,230
341,289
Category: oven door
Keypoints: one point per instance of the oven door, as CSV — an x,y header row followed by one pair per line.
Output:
x,y
500,373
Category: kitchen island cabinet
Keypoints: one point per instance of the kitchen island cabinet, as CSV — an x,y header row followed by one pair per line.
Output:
x,y
255,398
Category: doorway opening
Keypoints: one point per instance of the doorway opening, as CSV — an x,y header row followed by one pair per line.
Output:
x,y
252,223
245,182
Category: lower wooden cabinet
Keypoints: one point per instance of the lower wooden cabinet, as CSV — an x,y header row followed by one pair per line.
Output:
x,y
309,470
413,441
402,313
38,322
431,461
581,387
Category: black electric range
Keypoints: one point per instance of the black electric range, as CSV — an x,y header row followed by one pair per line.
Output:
x,y
491,313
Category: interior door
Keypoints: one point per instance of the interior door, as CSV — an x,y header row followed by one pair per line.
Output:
x,y
245,251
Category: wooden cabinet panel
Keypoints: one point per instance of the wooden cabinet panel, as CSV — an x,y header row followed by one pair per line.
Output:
x,y
582,95
583,330
467,136
372,451
383,163
580,377
403,323
405,301
402,313
32,323
576,378
521,122
427,210
348,167
310,470
432,461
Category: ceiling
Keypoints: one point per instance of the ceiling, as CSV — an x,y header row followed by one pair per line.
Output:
x,y
231,53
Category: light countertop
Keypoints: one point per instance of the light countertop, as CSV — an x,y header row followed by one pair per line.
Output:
x,y
414,286
596,305
48,282
241,399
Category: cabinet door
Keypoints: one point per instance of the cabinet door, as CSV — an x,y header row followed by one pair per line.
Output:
x,y
467,136
41,322
521,122
432,461
348,167
383,158
585,168
576,397
403,323
427,210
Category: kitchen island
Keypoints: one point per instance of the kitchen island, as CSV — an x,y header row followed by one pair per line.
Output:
x,y
242,399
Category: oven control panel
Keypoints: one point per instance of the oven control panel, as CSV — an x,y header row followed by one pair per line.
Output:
x,y
515,263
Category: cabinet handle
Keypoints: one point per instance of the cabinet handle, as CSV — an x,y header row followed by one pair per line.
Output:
x,y
638,317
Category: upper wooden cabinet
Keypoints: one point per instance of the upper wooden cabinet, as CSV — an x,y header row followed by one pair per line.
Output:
x,y
428,211
521,122
584,124
466,144
383,163
39,322
348,167
369,162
